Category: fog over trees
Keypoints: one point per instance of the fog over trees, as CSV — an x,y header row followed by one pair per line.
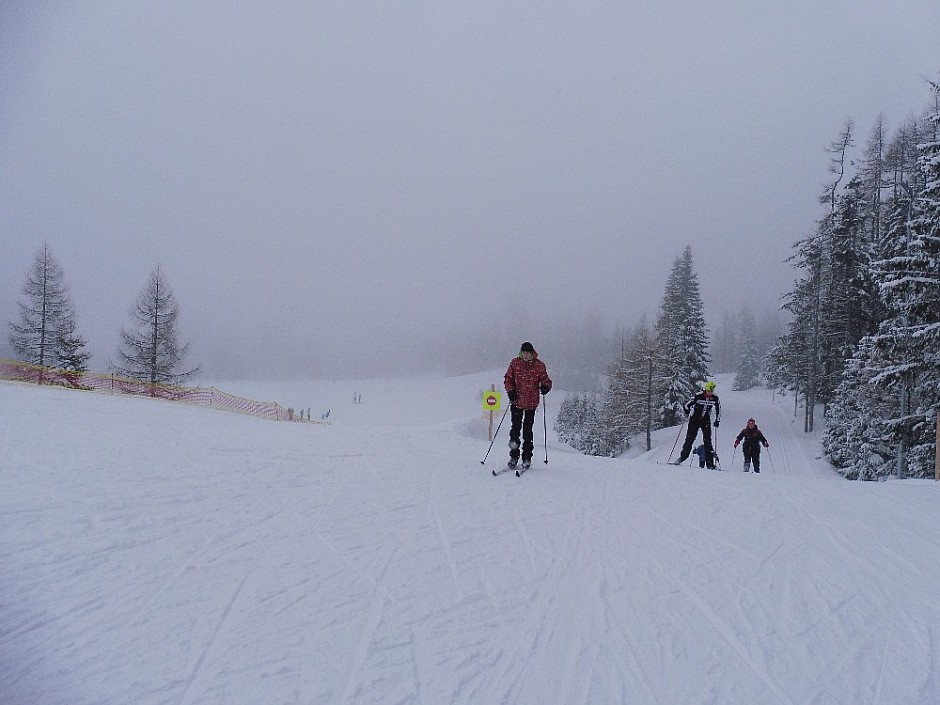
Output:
x,y
861,352
362,190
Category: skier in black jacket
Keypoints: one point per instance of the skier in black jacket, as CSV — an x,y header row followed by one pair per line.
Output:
x,y
753,439
699,409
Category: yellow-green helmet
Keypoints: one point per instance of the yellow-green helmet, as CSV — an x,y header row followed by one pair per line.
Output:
x,y
710,386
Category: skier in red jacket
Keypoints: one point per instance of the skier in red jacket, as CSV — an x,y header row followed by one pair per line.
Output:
x,y
525,380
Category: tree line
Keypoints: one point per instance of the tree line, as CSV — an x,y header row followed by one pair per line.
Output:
x,y
863,343
657,370
659,367
46,332
863,340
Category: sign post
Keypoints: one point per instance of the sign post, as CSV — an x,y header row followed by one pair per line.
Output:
x,y
491,403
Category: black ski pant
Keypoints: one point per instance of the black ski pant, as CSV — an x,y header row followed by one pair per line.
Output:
x,y
694,426
522,420
752,455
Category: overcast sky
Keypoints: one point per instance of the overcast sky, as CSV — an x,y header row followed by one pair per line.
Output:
x,y
320,180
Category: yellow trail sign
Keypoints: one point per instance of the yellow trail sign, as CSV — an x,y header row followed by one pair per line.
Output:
x,y
492,400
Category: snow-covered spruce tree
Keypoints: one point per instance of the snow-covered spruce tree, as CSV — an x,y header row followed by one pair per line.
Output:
x,y
794,360
909,341
637,379
649,378
748,372
856,435
851,307
568,422
577,425
71,355
683,338
835,303
819,384
901,158
873,173
46,333
775,371
857,438
724,347
152,352
615,410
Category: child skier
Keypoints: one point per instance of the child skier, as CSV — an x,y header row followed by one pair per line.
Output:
x,y
702,455
753,439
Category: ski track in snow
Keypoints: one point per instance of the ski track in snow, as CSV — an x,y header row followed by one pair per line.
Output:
x,y
161,554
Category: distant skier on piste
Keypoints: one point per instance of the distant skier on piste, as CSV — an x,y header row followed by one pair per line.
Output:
x,y
699,409
753,439
525,379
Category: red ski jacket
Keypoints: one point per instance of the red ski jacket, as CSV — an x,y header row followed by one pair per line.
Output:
x,y
527,379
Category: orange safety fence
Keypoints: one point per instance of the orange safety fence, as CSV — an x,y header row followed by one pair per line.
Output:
x,y
209,397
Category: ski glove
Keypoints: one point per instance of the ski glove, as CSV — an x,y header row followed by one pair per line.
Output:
x,y
716,424
544,390
511,394
766,445
736,443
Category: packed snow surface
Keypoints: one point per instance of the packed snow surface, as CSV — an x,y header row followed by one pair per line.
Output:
x,y
152,553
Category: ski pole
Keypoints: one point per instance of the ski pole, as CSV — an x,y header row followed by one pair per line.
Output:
x,y
715,450
494,435
545,427
770,458
681,426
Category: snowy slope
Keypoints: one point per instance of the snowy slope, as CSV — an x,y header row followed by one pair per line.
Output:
x,y
155,553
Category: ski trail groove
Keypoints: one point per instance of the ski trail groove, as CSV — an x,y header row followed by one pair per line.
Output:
x,y
442,536
508,686
377,606
720,625
197,667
